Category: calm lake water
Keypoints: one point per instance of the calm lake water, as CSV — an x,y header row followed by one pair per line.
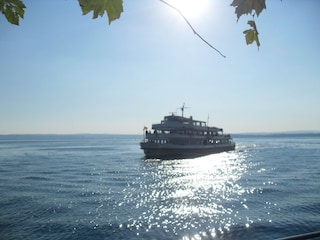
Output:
x,y
101,187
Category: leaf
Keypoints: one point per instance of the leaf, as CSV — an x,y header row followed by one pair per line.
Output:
x,y
247,6
114,8
13,10
252,34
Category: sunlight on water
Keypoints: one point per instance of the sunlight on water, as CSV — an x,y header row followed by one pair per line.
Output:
x,y
266,188
190,194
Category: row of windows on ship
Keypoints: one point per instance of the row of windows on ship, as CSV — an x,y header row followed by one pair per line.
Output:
x,y
177,141
187,122
185,132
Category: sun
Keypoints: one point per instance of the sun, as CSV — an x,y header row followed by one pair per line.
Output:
x,y
190,8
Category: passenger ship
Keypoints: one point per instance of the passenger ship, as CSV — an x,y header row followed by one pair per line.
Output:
x,y
181,137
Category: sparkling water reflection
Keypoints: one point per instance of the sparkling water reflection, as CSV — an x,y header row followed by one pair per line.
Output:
x,y
98,187
190,195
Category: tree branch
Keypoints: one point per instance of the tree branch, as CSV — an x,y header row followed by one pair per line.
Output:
x,y
189,24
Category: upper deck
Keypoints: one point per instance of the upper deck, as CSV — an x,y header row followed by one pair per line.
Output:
x,y
174,122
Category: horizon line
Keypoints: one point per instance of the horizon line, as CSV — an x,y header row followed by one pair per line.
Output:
x,y
238,133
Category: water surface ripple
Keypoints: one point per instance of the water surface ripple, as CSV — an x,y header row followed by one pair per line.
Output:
x,y
101,187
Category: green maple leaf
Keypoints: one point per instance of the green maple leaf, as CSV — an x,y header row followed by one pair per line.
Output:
x,y
252,34
13,10
114,8
247,6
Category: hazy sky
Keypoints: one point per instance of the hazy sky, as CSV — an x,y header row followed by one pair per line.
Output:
x,y
62,72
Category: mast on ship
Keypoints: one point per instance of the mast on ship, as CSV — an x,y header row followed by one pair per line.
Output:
x,y
182,109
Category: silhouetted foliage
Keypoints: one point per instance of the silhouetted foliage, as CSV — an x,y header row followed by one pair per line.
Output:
x,y
14,10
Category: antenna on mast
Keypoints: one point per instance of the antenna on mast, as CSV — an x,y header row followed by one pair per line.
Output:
x,y
182,109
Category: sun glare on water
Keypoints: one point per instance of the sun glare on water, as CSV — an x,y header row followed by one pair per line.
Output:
x,y
190,8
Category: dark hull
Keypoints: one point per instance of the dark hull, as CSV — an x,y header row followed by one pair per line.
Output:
x,y
179,152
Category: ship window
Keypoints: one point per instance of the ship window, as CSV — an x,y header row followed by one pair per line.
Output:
x,y
160,141
197,123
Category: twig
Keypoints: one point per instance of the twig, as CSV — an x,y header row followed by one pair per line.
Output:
x,y
189,24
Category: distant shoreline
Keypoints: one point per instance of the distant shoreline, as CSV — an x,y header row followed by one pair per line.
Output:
x,y
278,134
288,133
